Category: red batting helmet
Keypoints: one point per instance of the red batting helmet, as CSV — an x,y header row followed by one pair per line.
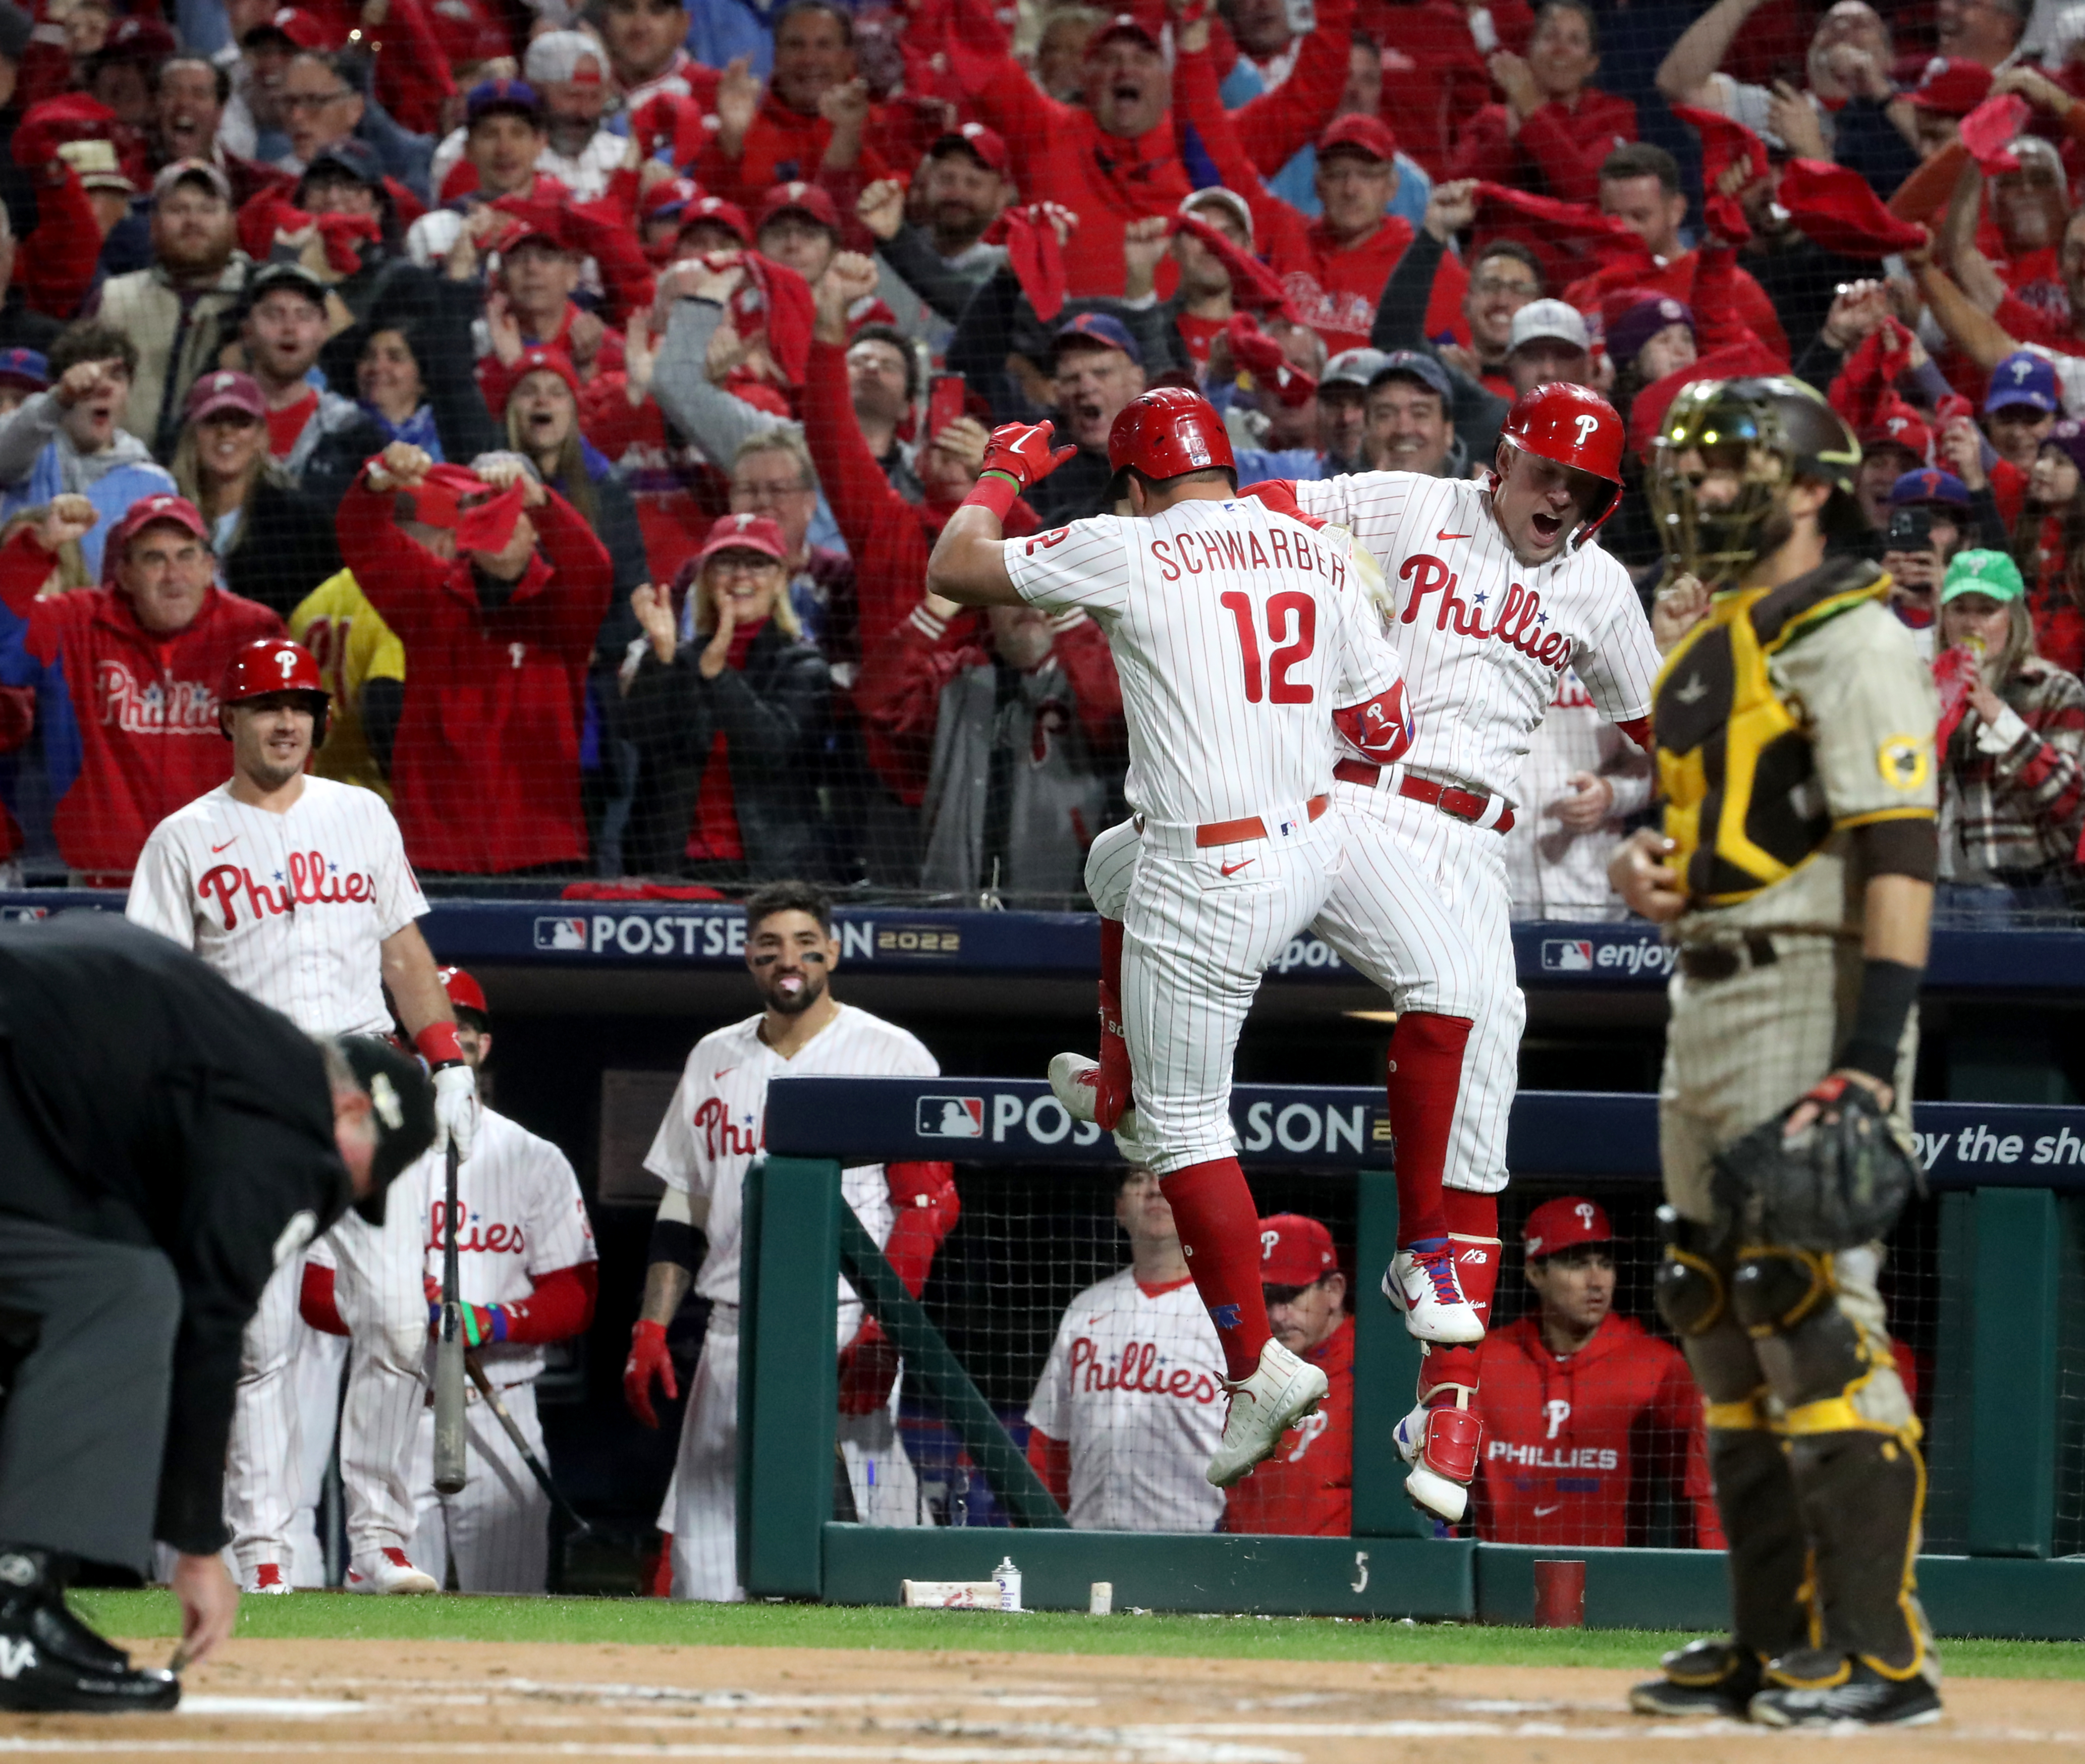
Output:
x,y
1573,425
1167,432
271,664
465,993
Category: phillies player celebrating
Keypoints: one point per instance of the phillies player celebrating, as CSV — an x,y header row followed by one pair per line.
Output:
x,y
1238,633
710,1135
1568,1395
1130,1403
1495,589
296,889
525,1268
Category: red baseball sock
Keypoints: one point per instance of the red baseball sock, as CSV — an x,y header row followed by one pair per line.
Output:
x,y
1111,1083
1473,1230
1219,1228
1425,1080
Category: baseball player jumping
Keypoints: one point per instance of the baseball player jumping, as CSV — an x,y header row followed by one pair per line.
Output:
x,y
1239,635
297,890
1495,589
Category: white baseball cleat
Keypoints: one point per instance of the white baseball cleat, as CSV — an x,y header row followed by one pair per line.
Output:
x,y
1423,1285
1280,1391
1072,1078
268,1577
388,1570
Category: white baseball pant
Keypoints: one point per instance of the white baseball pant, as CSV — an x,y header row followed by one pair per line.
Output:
x,y
705,1489
1196,942
498,1529
321,1359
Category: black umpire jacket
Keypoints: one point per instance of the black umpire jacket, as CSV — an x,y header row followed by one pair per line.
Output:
x,y
177,1113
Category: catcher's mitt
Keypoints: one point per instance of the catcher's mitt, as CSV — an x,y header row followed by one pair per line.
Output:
x,y
1839,1183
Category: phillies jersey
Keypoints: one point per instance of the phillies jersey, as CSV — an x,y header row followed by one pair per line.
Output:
x,y
292,909
1134,1385
1553,872
1566,1436
1483,638
1306,1489
1236,632
715,1125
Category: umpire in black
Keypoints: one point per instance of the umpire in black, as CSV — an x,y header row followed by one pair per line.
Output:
x,y
165,1141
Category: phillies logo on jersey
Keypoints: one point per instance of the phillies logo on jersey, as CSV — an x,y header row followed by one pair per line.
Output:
x,y
497,1239
164,707
1535,1457
312,882
1520,622
1138,1370
723,1137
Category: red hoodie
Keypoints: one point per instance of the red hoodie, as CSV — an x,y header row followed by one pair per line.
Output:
x,y
1306,1489
129,719
1562,1433
485,770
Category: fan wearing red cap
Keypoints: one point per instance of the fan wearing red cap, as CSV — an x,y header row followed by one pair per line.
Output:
x,y
1585,1412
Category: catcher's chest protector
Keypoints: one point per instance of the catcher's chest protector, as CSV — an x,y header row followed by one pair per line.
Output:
x,y
1733,755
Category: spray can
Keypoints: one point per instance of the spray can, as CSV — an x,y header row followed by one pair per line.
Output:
x,y
1007,1577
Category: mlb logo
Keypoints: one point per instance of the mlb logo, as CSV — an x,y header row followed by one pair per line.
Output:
x,y
561,933
1567,955
949,1118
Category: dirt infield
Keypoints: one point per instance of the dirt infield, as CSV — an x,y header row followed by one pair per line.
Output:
x,y
367,1699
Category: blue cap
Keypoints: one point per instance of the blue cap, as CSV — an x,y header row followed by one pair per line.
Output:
x,y
2024,378
1929,485
1415,364
491,96
1101,332
25,367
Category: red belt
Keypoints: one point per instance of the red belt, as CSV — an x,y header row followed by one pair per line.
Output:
x,y
1231,832
1461,805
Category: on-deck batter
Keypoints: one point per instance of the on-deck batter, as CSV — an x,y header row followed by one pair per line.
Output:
x,y
297,890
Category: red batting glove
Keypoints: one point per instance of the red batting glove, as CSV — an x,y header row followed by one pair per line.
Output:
x,y
648,1359
868,1369
1021,449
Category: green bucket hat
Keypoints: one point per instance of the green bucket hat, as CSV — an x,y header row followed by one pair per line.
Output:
x,y
1989,573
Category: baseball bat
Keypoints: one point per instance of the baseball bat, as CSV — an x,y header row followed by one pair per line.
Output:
x,y
490,1392
449,1354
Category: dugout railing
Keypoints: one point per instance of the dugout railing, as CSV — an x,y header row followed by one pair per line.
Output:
x,y
2006,1437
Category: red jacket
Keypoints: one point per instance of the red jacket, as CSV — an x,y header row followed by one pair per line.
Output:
x,y
485,770
1557,153
1562,1435
129,719
1434,79
783,145
1727,301
1306,1489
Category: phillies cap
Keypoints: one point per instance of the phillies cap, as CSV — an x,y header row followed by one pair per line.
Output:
x,y
1095,330
987,146
565,58
1123,24
715,211
176,173
150,511
1564,1224
744,533
1951,85
1368,136
509,97
1294,1251
465,993
349,157
145,41
544,359
1542,319
1415,364
1354,368
665,200
798,198
1897,425
214,394
2024,378
2068,439
1991,573
289,25
25,367
1928,487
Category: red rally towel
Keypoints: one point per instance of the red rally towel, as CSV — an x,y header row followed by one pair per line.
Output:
x,y
1837,209
1724,143
1989,130
1037,259
1254,286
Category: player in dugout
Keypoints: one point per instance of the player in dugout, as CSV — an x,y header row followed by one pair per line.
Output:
x,y
1306,1488
1583,1408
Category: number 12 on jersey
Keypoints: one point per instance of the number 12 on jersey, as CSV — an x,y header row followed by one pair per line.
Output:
x,y
1293,639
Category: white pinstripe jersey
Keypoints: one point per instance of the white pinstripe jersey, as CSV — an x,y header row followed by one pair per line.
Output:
x,y
715,1124
1134,1384
1236,631
1484,639
291,908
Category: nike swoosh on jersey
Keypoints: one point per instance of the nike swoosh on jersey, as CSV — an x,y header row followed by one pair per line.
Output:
x,y
1232,869
1439,535
720,1071
227,846
1544,1512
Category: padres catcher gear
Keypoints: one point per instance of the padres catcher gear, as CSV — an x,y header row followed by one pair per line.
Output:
x,y
1571,426
1168,432
273,664
1841,1182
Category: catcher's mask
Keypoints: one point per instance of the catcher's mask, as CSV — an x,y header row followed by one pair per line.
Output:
x,y
1769,433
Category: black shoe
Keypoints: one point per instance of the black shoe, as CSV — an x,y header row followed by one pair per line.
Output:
x,y
50,1660
1856,1692
1712,1677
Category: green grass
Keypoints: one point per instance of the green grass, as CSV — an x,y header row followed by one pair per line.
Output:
x,y
654,1622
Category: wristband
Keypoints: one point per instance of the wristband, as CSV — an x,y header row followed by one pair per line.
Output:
x,y
1888,990
438,1045
994,490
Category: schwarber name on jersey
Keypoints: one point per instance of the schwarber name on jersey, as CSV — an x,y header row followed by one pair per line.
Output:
x,y
292,909
1134,1385
713,1129
1237,632
1483,638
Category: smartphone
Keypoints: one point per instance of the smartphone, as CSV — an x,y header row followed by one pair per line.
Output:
x,y
945,396
1910,529
1483,31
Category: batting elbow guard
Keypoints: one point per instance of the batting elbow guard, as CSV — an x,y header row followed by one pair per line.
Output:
x,y
926,1207
1378,729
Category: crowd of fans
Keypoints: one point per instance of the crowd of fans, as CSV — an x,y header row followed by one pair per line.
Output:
x,y
587,385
